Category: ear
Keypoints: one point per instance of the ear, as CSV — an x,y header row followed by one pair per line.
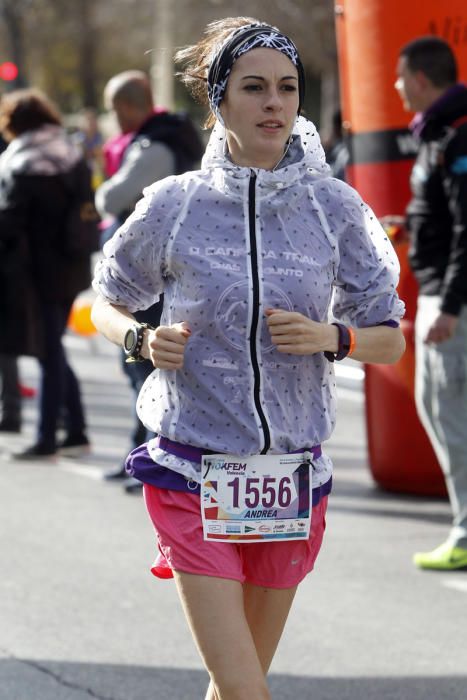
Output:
x,y
422,80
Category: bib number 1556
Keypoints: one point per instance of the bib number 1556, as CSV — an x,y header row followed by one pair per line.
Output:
x,y
264,492
257,498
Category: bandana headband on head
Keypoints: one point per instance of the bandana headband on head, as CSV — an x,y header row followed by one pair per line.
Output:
x,y
251,36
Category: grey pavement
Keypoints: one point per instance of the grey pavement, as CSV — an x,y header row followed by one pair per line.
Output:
x,y
81,616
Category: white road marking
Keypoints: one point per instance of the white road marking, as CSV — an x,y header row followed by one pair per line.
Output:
x,y
89,471
457,584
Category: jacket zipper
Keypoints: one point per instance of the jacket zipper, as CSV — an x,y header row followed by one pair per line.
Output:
x,y
255,312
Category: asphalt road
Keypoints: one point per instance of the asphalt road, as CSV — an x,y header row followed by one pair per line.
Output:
x,y
81,617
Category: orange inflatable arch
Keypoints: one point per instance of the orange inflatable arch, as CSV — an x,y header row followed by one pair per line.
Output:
x,y
370,34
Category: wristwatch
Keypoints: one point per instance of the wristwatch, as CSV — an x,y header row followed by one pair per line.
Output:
x,y
133,342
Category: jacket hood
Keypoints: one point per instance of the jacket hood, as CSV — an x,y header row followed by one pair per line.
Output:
x,y
44,151
304,153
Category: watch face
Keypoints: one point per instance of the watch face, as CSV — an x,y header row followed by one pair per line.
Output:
x,y
129,341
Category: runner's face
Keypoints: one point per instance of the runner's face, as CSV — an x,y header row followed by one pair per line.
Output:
x,y
260,107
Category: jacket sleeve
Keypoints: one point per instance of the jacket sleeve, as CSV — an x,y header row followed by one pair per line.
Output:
x,y
133,271
367,270
143,165
454,290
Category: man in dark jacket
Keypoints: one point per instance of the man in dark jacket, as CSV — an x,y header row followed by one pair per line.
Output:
x,y
437,223
163,144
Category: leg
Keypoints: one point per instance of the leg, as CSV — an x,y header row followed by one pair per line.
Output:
x,y
75,421
450,420
10,393
266,611
53,369
59,385
441,395
215,611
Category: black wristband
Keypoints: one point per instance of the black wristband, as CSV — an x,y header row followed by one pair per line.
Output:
x,y
343,348
133,342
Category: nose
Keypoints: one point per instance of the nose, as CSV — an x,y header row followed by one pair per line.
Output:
x,y
399,84
272,100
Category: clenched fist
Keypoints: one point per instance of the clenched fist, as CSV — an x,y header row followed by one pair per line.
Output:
x,y
295,334
166,345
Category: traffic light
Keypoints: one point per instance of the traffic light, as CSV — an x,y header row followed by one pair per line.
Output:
x,y
8,71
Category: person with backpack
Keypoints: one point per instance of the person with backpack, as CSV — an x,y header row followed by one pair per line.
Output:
x,y
162,144
437,224
45,249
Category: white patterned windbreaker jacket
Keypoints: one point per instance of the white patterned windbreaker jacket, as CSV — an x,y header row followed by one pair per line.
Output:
x,y
224,243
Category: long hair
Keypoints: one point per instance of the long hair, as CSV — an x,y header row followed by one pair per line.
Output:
x,y
197,58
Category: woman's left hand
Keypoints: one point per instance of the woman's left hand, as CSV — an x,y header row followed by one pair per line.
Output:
x,y
295,334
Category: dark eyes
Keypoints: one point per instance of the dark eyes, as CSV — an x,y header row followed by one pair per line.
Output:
x,y
257,87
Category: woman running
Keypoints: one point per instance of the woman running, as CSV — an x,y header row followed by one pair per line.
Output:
x,y
256,253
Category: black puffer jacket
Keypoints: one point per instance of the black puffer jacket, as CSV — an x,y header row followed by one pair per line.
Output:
x,y
34,202
437,214
178,132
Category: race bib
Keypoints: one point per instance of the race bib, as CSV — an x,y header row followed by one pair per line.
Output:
x,y
256,499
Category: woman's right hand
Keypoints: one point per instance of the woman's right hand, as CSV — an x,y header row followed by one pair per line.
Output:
x,y
166,345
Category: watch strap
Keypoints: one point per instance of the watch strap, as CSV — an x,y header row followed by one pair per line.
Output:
x,y
135,354
346,343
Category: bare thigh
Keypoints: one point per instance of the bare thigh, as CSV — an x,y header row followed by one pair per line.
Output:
x,y
215,611
266,610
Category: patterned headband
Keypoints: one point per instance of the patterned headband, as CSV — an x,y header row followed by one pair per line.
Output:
x,y
251,36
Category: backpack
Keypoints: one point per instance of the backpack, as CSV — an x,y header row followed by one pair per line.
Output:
x,y
80,235
177,131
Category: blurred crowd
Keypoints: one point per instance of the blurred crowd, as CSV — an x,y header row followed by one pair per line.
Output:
x,y
51,172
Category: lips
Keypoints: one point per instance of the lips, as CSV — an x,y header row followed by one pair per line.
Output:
x,y
271,125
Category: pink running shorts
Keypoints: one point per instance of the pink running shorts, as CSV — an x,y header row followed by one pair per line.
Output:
x,y
176,518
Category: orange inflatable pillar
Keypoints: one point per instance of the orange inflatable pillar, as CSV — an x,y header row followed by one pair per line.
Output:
x,y
370,34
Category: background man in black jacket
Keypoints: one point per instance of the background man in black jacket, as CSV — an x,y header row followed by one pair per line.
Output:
x,y
163,144
437,223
